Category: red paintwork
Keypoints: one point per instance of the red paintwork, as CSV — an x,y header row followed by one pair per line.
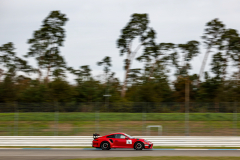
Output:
x,y
120,142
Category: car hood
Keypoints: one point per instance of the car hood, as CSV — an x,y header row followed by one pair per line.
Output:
x,y
142,140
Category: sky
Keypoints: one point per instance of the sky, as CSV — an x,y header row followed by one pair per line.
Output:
x,y
95,25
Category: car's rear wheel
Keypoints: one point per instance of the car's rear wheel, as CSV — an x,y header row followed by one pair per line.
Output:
x,y
138,146
105,146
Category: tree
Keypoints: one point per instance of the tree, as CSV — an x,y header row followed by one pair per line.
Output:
x,y
231,46
46,42
156,56
219,65
61,91
151,84
87,88
186,52
36,92
59,73
137,27
212,38
144,89
134,75
11,63
83,73
106,63
7,57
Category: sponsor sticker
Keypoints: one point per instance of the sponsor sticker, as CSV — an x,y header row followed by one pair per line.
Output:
x,y
129,141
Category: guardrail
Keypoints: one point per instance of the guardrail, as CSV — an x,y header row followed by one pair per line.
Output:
x,y
178,141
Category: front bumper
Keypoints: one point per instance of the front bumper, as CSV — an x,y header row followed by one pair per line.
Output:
x,y
148,146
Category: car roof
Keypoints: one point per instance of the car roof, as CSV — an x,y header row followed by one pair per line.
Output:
x,y
115,133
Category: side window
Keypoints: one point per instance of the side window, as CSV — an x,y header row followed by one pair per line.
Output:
x,y
111,136
120,136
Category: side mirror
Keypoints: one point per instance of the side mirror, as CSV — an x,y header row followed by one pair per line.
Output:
x,y
126,138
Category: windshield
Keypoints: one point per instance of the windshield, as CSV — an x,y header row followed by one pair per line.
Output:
x,y
128,135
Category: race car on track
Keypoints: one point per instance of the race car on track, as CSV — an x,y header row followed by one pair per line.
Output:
x,y
119,140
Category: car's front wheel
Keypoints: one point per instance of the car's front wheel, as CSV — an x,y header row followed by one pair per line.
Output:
x,y
138,146
105,146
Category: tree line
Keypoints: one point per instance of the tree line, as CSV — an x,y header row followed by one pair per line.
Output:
x,y
148,84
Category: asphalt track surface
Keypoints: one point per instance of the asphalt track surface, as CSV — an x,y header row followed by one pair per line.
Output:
x,y
60,153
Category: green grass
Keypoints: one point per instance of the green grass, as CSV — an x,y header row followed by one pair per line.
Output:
x,y
162,158
84,123
86,128
85,116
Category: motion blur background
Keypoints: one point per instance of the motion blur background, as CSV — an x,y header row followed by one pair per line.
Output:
x,y
83,119
186,82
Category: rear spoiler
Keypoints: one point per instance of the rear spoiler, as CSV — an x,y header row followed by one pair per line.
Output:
x,y
95,135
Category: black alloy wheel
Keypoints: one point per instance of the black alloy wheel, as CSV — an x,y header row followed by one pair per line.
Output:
x,y
139,146
105,146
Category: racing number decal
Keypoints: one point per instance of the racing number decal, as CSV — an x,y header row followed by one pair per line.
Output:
x,y
129,141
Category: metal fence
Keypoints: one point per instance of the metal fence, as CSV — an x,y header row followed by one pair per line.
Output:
x,y
83,119
167,141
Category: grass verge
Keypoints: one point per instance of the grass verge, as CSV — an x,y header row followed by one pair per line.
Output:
x,y
84,124
84,116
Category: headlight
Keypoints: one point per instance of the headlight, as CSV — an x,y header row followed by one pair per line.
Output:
x,y
146,141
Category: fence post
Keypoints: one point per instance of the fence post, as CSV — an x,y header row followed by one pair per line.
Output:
x,y
56,118
16,116
143,117
187,107
96,118
235,119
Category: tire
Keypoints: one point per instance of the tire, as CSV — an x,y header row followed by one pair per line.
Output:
x,y
138,146
105,146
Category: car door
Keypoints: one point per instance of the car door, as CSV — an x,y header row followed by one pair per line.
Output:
x,y
121,142
129,143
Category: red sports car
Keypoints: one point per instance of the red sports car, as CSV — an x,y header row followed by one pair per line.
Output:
x,y
120,140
